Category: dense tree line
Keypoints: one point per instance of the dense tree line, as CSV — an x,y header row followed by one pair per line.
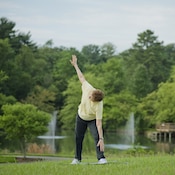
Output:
x,y
140,79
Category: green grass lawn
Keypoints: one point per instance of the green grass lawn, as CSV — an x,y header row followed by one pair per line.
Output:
x,y
163,164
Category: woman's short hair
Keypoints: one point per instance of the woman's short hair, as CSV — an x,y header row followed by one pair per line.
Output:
x,y
97,95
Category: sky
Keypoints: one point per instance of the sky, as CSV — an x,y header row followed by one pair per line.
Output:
x,y
77,23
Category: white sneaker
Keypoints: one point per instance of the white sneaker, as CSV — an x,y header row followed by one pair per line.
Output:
x,y
102,161
75,161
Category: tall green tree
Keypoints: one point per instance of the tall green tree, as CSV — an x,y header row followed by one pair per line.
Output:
x,y
20,80
6,28
16,39
149,53
16,52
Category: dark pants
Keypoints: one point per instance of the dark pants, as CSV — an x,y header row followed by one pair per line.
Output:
x,y
80,129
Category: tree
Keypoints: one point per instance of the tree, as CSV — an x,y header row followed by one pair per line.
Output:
x,y
164,105
141,82
42,98
16,39
91,53
149,53
6,28
107,51
23,71
5,100
158,106
23,122
146,40
95,54
113,75
17,60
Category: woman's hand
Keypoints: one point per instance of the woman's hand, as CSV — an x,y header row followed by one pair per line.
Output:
x,y
74,60
101,145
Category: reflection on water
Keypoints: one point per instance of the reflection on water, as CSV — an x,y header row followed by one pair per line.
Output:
x,y
124,147
165,147
51,137
120,141
50,141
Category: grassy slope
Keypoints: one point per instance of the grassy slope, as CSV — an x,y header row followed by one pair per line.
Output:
x,y
143,165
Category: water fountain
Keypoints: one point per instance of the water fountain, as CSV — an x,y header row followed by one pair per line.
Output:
x,y
128,140
50,136
129,130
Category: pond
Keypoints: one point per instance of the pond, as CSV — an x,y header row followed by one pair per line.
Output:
x,y
123,139
64,142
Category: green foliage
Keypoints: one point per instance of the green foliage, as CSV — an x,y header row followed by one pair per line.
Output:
x,y
117,109
158,106
6,100
107,51
165,101
6,54
113,75
95,54
23,122
92,53
72,99
141,82
3,77
42,98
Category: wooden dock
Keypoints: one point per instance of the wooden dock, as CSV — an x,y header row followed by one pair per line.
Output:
x,y
164,132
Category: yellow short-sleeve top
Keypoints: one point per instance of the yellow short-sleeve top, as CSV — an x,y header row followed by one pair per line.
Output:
x,y
89,110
